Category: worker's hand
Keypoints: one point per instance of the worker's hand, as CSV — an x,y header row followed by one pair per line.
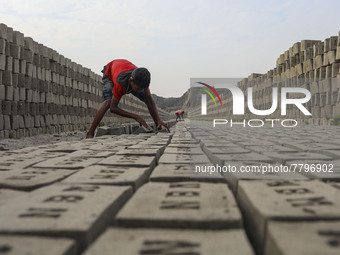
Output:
x,y
160,124
142,122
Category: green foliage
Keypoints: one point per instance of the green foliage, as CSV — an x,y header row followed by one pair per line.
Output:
x,y
11,135
336,121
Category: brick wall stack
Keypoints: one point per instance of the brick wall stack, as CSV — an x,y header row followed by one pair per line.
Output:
x,y
309,64
41,91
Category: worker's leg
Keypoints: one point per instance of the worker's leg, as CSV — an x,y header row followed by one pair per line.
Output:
x,y
100,114
107,95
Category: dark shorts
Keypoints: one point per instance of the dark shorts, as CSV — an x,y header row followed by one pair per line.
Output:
x,y
177,114
108,87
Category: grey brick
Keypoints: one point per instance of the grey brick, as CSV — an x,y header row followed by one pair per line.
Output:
x,y
285,200
21,108
38,245
15,79
10,34
2,62
165,241
18,38
3,31
99,174
6,108
16,66
9,63
29,69
183,172
22,94
2,46
22,66
314,238
14,107
2,92
29,121
212,206
28,82
9,93
7,123
28,56
132,161
36,212
14,122
28,43
14,50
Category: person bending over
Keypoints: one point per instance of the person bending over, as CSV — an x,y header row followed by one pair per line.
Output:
x,y
121,77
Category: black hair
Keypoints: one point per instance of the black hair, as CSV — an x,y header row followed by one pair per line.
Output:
x,y
141,77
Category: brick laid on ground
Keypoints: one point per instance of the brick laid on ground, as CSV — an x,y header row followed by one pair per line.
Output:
x,y
17,245
75,211
283,157
262,201
17,162
67,162
155,241
312,238
141,152
111,175
183,159
32,178
181,204
183,172
191,150
225,159
6,195
131,161
233,178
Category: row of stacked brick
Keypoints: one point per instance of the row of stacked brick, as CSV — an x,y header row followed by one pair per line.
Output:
x,y
309,64
41,91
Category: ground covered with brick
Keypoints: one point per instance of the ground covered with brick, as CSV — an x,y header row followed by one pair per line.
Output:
x,y
141,194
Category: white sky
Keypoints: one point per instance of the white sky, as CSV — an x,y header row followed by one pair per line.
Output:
x,y
174,39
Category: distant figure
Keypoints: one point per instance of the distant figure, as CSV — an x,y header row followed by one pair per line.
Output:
x,y
121,77
179,114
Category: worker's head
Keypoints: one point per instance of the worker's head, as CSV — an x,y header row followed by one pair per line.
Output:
x,y
140,79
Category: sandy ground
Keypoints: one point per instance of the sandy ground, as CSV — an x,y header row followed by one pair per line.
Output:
x,y
13,144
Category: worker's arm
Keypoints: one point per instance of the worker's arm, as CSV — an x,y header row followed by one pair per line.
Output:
x,y
115,109
153,111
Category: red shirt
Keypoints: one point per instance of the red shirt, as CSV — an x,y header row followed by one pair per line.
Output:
x,y
113,69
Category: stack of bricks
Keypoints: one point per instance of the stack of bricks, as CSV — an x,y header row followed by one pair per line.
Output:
x,y
310,64
41,91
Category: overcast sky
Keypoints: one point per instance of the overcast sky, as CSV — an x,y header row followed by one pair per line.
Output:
x,y
175,39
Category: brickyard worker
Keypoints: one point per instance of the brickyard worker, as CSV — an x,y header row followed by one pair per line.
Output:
x,y
121,77
179,114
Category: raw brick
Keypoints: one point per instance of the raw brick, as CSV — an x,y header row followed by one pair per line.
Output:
x,y
110,175
285,200
2,62
51,211
151,241
314,238
181,204
14,50
37,245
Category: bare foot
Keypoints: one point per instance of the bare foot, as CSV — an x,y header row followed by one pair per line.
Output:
x,y
89,135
